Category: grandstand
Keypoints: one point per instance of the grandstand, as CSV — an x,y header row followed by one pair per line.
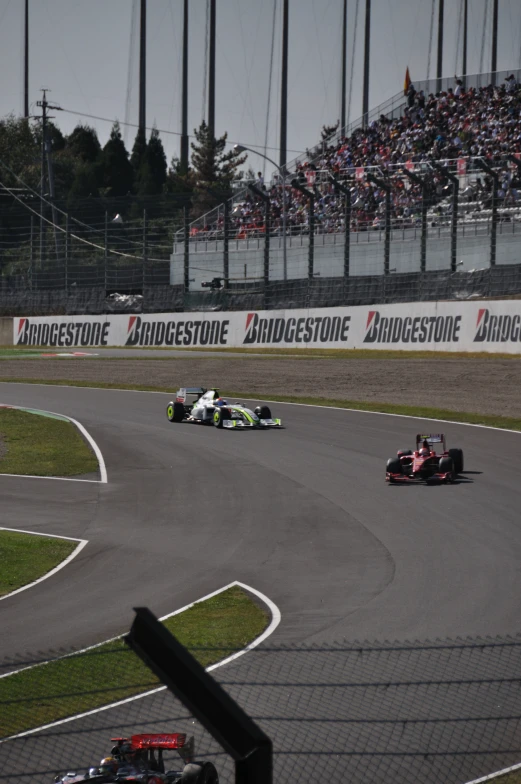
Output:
x,y
450,159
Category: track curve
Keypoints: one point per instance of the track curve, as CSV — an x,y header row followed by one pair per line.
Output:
x,y
302,514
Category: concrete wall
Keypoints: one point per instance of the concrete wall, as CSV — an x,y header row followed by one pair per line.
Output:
x,y
6,331
246,258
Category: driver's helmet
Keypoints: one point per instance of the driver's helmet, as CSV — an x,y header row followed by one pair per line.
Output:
x,y
93,772
108,766
221,402
424,452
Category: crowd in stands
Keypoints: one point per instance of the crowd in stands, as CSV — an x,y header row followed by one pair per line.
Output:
x,y
454,126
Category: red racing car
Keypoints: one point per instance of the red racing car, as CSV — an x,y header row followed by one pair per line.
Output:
x,y
140,759
425,463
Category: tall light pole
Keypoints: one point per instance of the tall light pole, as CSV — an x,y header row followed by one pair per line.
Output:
x,y
143,67
282,171
26,60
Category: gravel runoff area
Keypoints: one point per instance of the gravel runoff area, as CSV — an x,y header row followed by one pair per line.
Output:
x,y
484,386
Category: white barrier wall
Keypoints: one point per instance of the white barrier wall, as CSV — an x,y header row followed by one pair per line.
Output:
x,y
434,326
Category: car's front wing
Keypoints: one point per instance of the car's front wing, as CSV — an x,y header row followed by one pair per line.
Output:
x,y
241,424
438,477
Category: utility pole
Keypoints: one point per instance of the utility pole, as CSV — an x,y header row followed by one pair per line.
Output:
x,y
26,61
143,67
44,105
439,65
465,39
284,88
211,71
367,57
494,41
344,64
184,121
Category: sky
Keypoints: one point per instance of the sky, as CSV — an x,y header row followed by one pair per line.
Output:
x,y
81,51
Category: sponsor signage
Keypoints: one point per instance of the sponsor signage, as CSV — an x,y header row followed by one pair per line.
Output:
x,y
321,329
196,331
62,333
494,326
500,328
412,329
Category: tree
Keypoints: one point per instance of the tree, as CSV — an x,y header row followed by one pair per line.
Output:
x,y
116,170
83,143
20,152
156,161
138,151
84,184
212,166
328,131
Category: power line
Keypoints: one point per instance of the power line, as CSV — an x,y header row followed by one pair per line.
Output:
x,y
162,130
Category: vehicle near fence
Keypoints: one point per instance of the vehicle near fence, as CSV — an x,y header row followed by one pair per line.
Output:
x,y
140,758
424,463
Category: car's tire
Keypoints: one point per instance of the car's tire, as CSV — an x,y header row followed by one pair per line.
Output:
x,y
263,412
175,412
220,415
457,459
404,452
199,773
446,466
394,466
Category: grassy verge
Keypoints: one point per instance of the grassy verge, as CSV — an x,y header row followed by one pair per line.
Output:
x,y
423,412
296,353
510,778
9,353
42,446
211,630
24,558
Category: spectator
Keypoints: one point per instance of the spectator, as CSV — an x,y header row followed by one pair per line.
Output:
x,y
484,122
511,83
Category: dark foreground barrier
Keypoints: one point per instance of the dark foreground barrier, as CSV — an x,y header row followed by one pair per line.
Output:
x,y
389,713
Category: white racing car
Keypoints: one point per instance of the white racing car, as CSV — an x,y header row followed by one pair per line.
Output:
x,y
207,407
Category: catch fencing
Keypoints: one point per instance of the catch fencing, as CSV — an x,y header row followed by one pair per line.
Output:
x,y
385,712
414,232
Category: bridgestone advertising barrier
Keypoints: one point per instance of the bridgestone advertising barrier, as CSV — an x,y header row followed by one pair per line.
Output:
x,y
439,326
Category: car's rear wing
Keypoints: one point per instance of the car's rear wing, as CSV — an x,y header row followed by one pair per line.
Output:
x,y
181,394
171,740
430,438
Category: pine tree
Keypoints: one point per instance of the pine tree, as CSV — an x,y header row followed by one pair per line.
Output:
x,y
138,151
156,159
83,143
83,185
117,172
328,131
213,167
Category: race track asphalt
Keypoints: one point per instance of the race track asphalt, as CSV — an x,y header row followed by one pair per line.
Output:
x,y
302,514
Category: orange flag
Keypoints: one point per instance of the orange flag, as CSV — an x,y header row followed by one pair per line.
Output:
x,y
407,81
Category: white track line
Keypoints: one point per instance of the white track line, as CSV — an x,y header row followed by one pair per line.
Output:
x,y
283,403
275,620
95,448
305,405
495,775
77,550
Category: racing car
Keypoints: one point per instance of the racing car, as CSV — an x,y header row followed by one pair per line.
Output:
x,y
424,463
206,407
134,759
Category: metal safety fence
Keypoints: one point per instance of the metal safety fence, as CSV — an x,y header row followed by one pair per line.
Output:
x,y
414,231
406,712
